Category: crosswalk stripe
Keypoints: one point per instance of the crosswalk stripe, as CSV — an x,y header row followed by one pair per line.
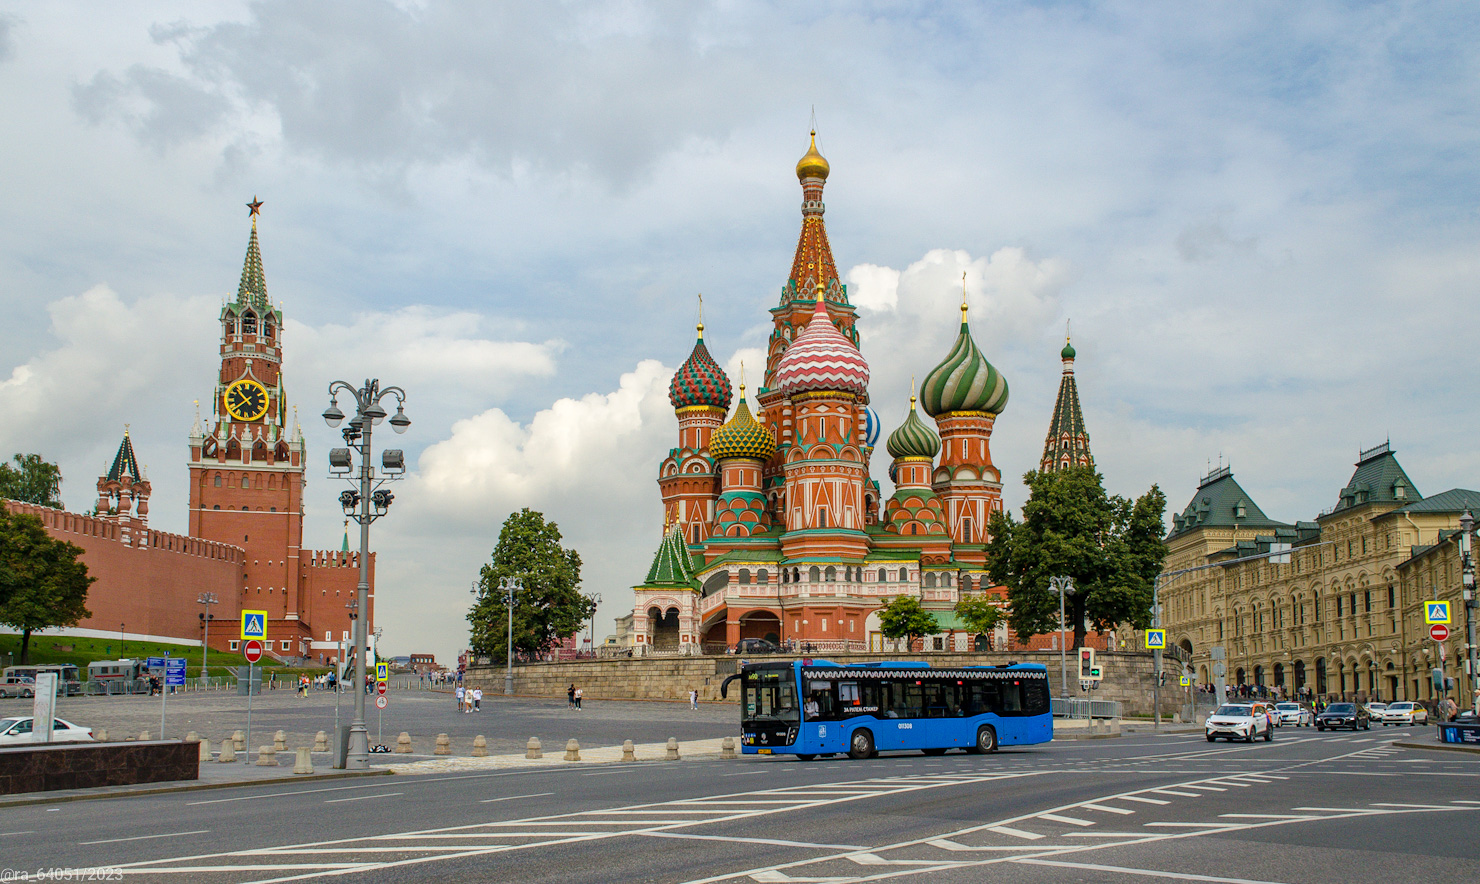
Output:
x,y
1107,808
1016,833
1070,820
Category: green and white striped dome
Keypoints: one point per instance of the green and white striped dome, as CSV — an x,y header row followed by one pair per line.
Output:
x,y
913,438
964,381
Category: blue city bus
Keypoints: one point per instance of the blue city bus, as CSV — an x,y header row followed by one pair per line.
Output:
x,y
809,707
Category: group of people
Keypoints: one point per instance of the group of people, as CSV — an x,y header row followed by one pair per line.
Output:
x,y
469,699
573,696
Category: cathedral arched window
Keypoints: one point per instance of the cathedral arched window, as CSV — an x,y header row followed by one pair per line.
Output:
x,y
761,576
796,575
744,578
883,576
814,574
930,581
832,574
966,583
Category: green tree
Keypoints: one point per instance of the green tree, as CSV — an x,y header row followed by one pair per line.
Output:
x,y
904,618
31,480
548,608
43,582
1110,546
980,614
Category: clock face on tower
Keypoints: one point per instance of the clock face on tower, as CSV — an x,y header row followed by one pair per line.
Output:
x,y
246,400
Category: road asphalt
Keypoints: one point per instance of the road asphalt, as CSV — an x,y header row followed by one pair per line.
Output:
x,y
1308,808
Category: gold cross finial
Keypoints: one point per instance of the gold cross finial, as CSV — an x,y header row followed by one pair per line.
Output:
x,y
963,296
1066,331
701,315
742,380
125,429
912,392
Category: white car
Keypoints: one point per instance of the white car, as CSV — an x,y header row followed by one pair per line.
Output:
x,y
1404,713
1240,721
18,730
1294,713
1375,710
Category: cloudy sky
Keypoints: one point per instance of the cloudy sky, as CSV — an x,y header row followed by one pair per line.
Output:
x,y
1261,218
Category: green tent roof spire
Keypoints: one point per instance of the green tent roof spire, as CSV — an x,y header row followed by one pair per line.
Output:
x,y
672,566
253,288
124,462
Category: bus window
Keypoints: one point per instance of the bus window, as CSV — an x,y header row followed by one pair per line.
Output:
x,y
771,695
848,693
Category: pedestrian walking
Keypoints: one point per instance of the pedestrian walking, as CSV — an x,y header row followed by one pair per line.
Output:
x,y
570,696
579,692
477,699
693,699
459,697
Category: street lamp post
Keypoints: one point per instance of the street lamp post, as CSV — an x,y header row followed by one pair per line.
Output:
x,y
1467,577
207,599
357,503
1064,586
120,641
510,585
595,600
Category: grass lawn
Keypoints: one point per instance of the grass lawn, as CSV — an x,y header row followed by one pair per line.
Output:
x,y
82,651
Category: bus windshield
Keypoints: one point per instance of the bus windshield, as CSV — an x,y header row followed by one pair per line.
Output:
x,y
770,695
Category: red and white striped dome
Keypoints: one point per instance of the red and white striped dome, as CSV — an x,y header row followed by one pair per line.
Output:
x,y
821,358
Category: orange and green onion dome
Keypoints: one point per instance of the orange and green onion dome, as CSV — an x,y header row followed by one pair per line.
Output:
x,y
742,436
700,380
913,438
964,380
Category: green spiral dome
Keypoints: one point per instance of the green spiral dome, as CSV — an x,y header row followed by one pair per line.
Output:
x,y
964,381
742,436
913,438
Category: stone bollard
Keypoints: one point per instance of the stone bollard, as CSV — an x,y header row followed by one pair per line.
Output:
x,y
628,754
572,750
143,735
727,747
672,749
205,750
321,742
403,743
191,737
101,735
279,742
228,752
532,748
480,747
303,764
444,745
266,757
239,741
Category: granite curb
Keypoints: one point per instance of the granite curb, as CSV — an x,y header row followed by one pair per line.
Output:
x,y
62,795
1442,747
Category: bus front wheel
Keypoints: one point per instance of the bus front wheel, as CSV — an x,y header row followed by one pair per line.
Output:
x,y
801,757
986,741
861,745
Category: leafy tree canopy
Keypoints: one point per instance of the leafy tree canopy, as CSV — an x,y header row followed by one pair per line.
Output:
x,y
548,608
30,479
980,614
1109,545
43,582
904,617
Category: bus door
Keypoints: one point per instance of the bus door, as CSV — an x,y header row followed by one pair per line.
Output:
x,y
822,728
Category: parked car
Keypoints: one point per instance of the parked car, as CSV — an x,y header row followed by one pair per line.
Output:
x,y
1349,715
18,730
17,686
1294,713
756,646
1240,721
1404,713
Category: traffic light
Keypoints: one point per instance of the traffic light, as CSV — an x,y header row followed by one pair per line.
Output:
x,y
1088,669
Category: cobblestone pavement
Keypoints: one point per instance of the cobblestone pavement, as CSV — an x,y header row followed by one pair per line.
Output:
x,y
505,723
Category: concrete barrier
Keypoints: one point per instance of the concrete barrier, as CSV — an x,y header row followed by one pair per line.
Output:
x,y
191,737
572,750
480,747
444,745
101,735
144,736
303,764
228,752
239,741
279,742
205,750
727,747
532,748
266,757
321,742
403,743
628,754
672,754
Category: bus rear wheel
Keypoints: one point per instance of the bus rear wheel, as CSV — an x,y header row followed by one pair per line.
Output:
x,y
801,757
861,745
936,751
986,741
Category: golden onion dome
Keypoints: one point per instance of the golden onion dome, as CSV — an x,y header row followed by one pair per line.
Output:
x,y
812,164
742,436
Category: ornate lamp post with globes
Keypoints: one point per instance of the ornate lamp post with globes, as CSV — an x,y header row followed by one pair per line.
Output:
x,y
357,505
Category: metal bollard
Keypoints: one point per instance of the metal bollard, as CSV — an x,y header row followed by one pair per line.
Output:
x,y
628,754
444,745
572,750
280,742
228,752
727,747
672,749
303,764
239,740
205,750
480,747
266,757
321,742
532,748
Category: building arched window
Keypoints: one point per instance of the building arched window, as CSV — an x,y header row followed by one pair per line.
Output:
x,y
218,480
744,577
831,574
883,575
249,323
246,482
930,580
814,574
762,577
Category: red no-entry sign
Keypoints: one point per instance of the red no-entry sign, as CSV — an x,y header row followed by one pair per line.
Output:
x,y
252,650
380,688
1438,632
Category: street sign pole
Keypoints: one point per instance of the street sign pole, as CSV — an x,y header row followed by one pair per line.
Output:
x,y
1156,654
250,668
164,698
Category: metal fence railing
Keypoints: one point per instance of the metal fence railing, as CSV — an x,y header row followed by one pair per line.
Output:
x,y
1073,708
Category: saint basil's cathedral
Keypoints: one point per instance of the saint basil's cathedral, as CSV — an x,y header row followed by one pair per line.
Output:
x,y
774,528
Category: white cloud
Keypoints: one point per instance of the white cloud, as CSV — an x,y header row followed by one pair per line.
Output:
x,y
871,287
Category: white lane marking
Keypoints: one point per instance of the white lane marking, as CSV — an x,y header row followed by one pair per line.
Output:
x,y
1356,810
1207,787
363,797
1141,799
1070,820
1267,816
5,834
1175,792
1204,825
773,841
1016,833
143,837
1228,782
745,773
1415,806
1107,809
948,844
515,797
282,794
1465,801
1177,876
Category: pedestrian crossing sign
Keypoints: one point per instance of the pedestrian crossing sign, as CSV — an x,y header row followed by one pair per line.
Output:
x,y
382,672
1436,612
254,625
1156,639
1186,681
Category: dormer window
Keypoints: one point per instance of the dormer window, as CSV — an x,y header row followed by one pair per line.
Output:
x,y
1240,511
1400,490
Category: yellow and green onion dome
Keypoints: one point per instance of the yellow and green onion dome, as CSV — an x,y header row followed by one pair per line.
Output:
x,y
742,436
913,438
700,380
964,381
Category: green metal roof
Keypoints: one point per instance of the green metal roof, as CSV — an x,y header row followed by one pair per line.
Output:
x,y
1379,478
1455,500
1220,502
124,462
672,566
